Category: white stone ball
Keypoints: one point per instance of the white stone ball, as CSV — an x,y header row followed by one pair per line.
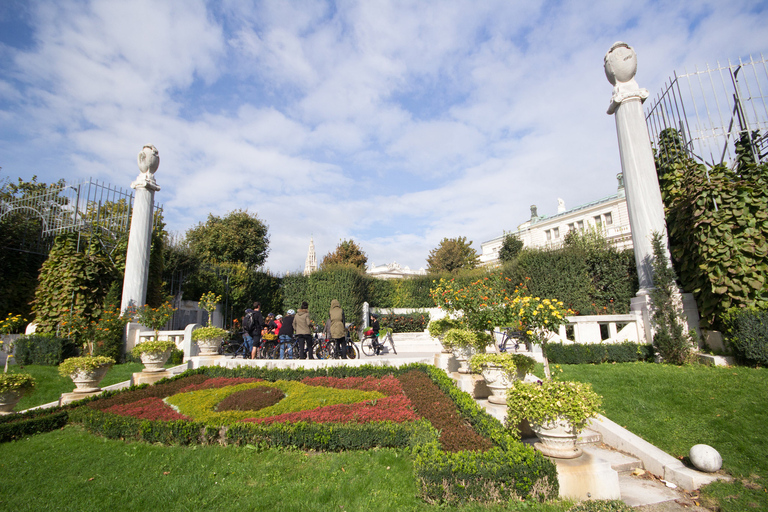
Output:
x,y
705,458
620,63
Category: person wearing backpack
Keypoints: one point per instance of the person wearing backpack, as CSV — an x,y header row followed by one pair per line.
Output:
x,y
248,331
256,323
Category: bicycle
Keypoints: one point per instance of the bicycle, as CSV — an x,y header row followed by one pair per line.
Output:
x,y
508,335
325,348
372,346
234,348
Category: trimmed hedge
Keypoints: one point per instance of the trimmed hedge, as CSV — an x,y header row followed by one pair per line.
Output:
x,y
590,353
409,322
18,426
44,349
746,332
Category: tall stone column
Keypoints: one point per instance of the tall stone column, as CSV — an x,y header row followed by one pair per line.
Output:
x,y
641,183
140,237
646,209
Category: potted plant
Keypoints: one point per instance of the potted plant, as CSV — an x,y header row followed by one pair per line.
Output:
x,y
438,329
556,410
464,343
209,338
86,371
154,354
500,371
12,387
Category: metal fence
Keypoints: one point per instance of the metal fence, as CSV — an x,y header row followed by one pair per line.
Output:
x,y
713,108
87,207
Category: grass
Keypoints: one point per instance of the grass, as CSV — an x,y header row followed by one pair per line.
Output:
x,y
84,473
675,408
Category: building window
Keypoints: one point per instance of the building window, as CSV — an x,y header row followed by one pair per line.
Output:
x,y
549,235
608,219
556,232
598,221
581,225
571,227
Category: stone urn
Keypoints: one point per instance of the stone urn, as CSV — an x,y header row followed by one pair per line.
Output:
x,y
155,361
8,401
462,355
558,439
87,381
209,346
498,381
446,350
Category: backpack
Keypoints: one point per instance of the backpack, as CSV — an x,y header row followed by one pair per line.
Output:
x,y
248,323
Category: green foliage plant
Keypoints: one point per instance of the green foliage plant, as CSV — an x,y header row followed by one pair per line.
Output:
x,y
670,337
346,253
438,328
596,353
83,364
746,332
152,347
512,364
11,323
510,247
718,228
155,318
601,506
43,349
238,237
18,382
549,400
464,338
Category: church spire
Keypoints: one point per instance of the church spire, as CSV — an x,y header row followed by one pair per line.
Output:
x,y
311,264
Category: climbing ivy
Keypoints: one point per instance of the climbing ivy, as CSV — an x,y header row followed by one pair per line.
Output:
x,y
717,221
72,283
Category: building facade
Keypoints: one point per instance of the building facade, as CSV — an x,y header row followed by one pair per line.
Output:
x,y
608,215
393,271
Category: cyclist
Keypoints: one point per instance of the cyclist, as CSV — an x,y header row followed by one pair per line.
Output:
x,y
337,328
286,334
302,327
375,333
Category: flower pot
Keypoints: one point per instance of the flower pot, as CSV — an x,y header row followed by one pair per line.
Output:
x,y
87,381
498,381
209,346
462,355
558,439
8,401
154,361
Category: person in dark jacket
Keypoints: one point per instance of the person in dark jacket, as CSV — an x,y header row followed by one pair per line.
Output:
x,y
375,327
286,334
302,328
255,330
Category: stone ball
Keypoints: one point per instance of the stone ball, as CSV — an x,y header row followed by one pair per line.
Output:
x,y
705,458
620,63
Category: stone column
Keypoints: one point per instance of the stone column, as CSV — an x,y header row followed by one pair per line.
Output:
x,y
140,237
644,204
641,183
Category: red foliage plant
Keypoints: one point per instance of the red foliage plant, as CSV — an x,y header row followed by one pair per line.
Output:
x,y
252,399
395,408
151,408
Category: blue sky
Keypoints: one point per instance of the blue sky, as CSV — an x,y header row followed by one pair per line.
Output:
x,y
395,124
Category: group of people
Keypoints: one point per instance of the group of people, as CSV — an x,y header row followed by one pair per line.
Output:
x,y
294,325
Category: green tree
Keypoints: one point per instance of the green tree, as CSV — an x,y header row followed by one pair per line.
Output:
x,y
239,237
452,255
510,247
346,253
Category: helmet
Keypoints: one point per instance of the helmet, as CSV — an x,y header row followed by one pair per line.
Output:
x,y
291,312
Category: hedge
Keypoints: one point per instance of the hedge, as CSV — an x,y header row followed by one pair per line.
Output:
x,y
18,426
409,322
43,349
590,353
746,333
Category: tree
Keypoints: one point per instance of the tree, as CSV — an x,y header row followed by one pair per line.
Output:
x,y
510,247
240,237
346,253
452,255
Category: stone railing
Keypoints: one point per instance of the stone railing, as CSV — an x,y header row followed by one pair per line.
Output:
x,y
183,339
602,329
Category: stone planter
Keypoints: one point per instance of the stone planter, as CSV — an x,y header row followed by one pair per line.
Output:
x,y
209,346
498,382
87,381
8,401
558,439
462,355
154,361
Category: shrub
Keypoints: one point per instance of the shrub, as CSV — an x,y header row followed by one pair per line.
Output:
x,y
17,426
43,349
590,353
411,322
747,334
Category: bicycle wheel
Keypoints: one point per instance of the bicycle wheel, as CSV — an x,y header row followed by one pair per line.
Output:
x,y
322,351
352,351
392,343
368,346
